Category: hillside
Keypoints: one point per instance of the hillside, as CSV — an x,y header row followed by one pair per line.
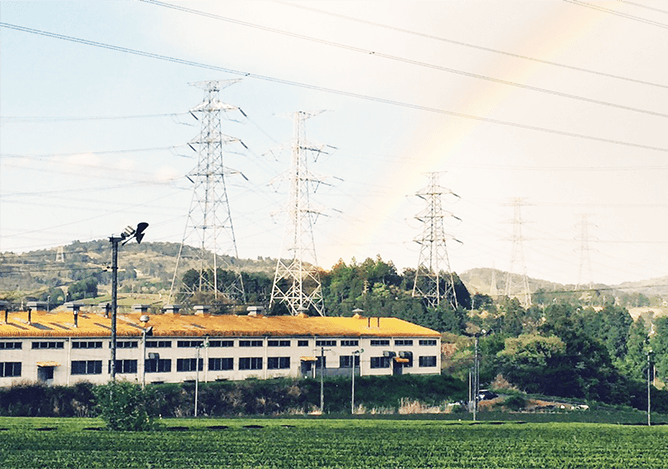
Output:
x,y
148,263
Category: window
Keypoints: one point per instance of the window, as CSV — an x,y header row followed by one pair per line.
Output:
x,y
220,364
189,343
325,343
87,367
159,366
90,344
403,342
379,342
346,361
126,344
250,343
302,343
125,366
10,369
189,364
408,356
380,362
429,361
158,344
221,343
278,363
36,345
350,343
278,343
427,341
250,363
11,345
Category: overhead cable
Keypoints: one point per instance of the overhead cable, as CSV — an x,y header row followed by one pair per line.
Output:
x,y
617,13
410,61
330,90
475,46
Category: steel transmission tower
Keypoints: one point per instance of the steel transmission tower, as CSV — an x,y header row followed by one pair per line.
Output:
x,y
296,281
209,225
517,257
434,280
585,261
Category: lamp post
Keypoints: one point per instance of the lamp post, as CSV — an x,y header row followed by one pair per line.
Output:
x,y
356,354
126,236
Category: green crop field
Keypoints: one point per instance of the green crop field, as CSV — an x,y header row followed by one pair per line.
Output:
x,y
310,443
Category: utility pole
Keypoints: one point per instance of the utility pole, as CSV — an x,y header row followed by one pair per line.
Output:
x,y
209,225
649,394
434,280
355,354
296,280
128,234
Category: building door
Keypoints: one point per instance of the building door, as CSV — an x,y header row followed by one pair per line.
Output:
x,y
45,374
397,368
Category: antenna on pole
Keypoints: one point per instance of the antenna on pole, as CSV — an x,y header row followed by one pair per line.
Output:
x,y
297,281
517,256
209,230
434,281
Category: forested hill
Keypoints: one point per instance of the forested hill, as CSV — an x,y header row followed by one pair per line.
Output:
x,y
152,262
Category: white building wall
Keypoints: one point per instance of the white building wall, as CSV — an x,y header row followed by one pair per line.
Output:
x,y
62,374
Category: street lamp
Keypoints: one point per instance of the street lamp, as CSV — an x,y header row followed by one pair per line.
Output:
x,y
123,239
356,354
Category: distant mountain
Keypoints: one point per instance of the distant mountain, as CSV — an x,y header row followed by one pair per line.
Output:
x,y
480,280
493,282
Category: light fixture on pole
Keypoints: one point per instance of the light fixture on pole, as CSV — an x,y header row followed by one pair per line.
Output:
x,y
128,234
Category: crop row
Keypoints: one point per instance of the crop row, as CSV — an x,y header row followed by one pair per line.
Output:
x,y
333,444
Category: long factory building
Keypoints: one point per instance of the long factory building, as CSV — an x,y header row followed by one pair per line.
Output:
x,y
66,347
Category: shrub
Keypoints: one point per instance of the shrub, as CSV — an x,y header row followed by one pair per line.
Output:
x,y
125,406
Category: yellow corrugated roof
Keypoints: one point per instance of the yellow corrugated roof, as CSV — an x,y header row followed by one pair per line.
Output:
x,y
61,324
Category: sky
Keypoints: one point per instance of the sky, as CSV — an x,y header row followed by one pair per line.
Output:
x,y
546,119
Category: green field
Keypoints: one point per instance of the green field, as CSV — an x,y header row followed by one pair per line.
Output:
x,y
308,443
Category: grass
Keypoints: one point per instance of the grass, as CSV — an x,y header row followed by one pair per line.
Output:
x,y
330,443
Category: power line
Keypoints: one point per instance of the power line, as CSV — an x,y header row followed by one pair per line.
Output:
x,y
103,152
410,61
334,91
643,6
474,46
21,119
617,13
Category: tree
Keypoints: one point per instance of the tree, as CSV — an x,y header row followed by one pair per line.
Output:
x,y
86,288
533,362
125,406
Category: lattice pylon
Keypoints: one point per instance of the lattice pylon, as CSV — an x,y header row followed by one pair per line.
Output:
x,y
209,227
585,259
517,256
296,280
434,281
